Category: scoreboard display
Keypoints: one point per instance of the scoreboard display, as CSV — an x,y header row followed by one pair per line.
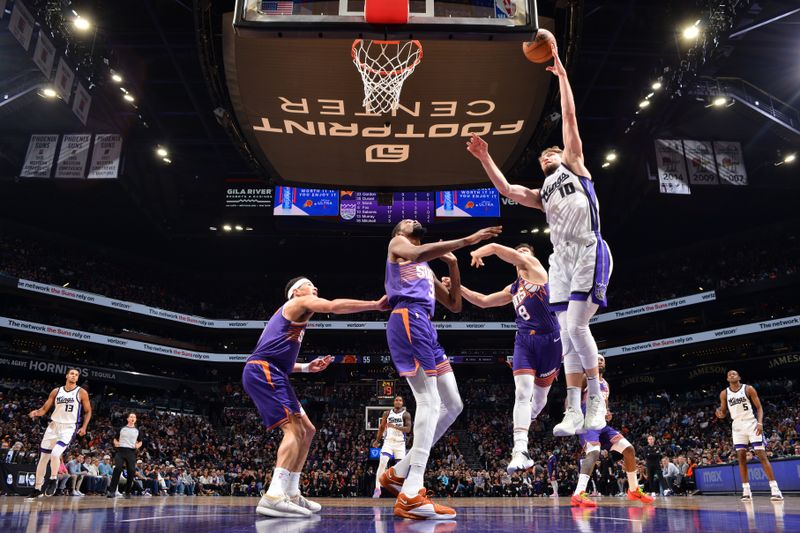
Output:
x,y
385,208
386,389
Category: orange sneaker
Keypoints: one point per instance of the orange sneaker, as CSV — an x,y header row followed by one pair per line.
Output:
x,y
391,481
420,507
640,495
582,500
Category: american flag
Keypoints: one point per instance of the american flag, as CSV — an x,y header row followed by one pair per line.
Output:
x,y
277,7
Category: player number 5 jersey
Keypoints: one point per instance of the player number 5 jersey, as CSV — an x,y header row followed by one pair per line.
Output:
x,y
67,407
740,407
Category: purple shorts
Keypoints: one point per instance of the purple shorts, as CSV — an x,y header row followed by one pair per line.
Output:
x,y
606,437
413,343
270,390
538,354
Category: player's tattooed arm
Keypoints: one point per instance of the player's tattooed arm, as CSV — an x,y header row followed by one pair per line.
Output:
x,y
751,393
450,296
525,196
406,427
722,410
46,407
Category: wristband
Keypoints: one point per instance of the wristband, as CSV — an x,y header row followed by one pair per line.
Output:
x,y
304,367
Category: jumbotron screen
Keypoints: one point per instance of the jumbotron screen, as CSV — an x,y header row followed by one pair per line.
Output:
x,y
385,208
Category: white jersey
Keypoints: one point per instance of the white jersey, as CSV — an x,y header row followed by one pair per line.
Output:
x,y
68,407
741,409
571,207
395,435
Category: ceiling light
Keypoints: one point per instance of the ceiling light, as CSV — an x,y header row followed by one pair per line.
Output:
x,y
790,158
523,231
162,152
656,86
66,284
49,92
81,23
116,78
644,103
720,101
212,228
124,90
227,227
248,228
650,95
166,160
239,228
129,97
611,156
691,32
547,230
606,164
535,230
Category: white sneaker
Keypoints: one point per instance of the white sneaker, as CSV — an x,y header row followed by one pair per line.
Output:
x,y
280,507
747,497
776,496
76,493
571,425
519,461
595,413
118,494
376,493
301,501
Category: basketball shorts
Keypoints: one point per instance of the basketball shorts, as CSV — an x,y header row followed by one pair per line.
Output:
x,y
539,355
580,271
607,438
394,449
270,390
414,344
57,433
744,435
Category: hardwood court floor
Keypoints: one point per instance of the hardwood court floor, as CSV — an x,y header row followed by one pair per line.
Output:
x,y
479,515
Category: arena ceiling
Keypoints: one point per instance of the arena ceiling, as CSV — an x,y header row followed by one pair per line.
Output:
x,y
624,47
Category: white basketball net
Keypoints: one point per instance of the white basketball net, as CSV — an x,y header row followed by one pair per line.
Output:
x,y
384,66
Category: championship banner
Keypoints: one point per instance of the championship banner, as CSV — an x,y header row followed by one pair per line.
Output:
x,y
40,156
701,163
105,156
730,162
672,178
21,24
64,78
155,312
73,155
44,55
82,103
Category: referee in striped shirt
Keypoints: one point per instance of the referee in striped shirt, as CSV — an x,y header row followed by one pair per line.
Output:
x,y
128,442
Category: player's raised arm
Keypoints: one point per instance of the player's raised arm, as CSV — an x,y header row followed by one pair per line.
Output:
x,y
449,295
525,196
46,407
751,393
722,410
317,365
83,396
401,247
525,261
495,299
573,146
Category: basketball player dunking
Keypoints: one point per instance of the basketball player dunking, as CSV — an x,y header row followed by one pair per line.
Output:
x,y
417,355
537,344
580,265
70,401
608,439
748,430
395,425
266,380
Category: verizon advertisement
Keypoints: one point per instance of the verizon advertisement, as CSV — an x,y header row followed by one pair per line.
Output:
x,y
299,105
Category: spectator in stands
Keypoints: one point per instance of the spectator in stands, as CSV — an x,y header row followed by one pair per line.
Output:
x,y
669,475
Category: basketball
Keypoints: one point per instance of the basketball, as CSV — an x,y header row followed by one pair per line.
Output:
x,y
538,50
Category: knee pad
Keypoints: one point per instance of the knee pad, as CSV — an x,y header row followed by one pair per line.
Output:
x,y
572,363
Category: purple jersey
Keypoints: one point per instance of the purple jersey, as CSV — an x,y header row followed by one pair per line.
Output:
x,y
280,342
410,283
532,307
552,465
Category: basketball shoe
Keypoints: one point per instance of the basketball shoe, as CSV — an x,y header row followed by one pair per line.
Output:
x,y
280,507
582,500
640,495
392,482
571,425
301,501
519,461
420,507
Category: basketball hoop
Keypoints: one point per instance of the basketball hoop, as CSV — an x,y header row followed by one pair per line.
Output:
x,y
384,66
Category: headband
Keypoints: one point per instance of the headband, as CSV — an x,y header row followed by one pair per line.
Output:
x,y
297,284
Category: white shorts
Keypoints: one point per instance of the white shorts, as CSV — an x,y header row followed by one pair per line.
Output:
x,y
57,433
394,450
580,271
744,435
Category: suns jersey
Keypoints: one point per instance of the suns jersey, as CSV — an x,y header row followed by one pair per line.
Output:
x,y
532,307
280,342
410,283
394,435
67,406
571,207
740,407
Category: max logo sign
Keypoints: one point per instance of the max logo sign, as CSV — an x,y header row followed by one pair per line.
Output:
x,y
712,477
387,153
